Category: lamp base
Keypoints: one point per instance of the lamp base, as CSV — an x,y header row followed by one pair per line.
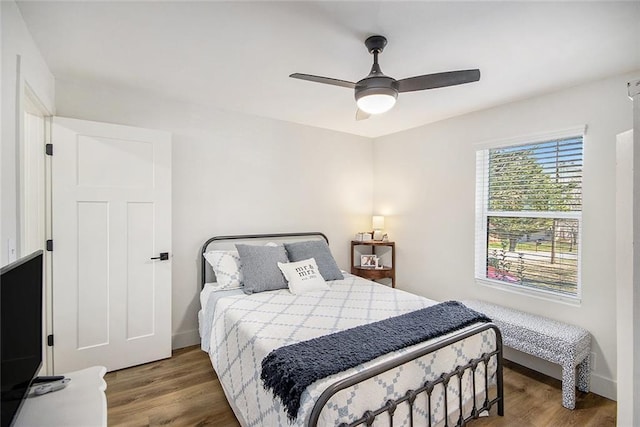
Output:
x,y
377,235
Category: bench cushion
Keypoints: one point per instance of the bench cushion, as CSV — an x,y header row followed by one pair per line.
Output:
x,y
546,338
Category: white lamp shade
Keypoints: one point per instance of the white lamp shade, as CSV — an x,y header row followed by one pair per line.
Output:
x,y
377,222
376,103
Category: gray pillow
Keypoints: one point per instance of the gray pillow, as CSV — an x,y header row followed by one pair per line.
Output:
x,y
260,267
319,250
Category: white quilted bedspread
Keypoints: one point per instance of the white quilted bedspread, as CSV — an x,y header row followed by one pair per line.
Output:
x,y
246,328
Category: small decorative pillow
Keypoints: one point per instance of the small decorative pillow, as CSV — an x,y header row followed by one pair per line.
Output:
x,y
226,265
303,276
318,250
260,270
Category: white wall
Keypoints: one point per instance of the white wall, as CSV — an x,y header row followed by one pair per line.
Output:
x,y
425,185
237,174
22,64
626,294
628,267
635,92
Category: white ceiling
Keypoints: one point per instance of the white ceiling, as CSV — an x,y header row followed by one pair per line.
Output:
x,y
238,55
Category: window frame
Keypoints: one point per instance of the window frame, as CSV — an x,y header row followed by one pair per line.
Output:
x,y
483,213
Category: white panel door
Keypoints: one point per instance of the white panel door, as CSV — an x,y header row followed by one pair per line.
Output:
x,y
111,195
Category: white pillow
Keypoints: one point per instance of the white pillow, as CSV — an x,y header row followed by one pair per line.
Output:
x,y
303,276
226,265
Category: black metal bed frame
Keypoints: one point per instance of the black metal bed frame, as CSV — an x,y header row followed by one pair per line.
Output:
x,y
369,416
409,397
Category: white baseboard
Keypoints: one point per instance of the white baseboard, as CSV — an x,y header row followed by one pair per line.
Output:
x,y
599,385
185,339
604,386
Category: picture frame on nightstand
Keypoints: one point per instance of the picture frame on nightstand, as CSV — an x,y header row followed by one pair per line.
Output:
x,y
369,261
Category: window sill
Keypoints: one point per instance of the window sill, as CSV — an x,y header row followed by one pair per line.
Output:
x,y
534,293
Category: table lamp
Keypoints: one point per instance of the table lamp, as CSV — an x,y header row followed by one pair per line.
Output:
x,y
377,222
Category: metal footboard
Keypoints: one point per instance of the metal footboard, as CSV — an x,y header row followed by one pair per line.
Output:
x,y
457,374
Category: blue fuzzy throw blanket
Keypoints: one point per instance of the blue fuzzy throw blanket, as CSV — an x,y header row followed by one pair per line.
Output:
x,y
289,370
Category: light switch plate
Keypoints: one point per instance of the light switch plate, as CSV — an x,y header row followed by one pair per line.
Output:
x,y
12,254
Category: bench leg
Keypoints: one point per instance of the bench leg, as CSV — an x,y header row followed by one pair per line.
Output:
x,y
569,386
584,374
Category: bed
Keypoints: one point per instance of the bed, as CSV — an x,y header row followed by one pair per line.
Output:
x,y
448,380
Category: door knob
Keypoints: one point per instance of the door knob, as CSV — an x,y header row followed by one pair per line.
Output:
x,y
163,256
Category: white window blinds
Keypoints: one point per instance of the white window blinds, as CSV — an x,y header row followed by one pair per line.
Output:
x,y
529,205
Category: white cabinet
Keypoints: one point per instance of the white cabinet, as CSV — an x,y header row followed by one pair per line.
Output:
x,y
82,403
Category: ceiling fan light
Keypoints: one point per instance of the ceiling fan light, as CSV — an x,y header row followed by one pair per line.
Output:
x,y
376,103
376,95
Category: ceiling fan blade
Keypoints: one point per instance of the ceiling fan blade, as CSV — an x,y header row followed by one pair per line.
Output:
x,y
361,115
432,81
325,80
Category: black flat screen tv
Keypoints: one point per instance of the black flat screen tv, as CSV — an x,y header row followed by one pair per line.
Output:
x,y
21,331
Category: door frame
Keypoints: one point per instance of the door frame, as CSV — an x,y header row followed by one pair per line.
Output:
x,y
30,102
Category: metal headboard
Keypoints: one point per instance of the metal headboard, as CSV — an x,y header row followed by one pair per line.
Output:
x,y
203,263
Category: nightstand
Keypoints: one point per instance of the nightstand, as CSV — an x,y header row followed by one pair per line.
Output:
x,y
378,248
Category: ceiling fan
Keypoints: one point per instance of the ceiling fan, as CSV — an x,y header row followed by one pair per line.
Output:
x,y
377,93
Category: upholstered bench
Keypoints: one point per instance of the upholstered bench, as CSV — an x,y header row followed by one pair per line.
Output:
x,y
557,342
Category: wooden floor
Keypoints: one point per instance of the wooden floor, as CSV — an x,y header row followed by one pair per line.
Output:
x,y
184,391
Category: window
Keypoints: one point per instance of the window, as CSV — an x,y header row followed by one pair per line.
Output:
x,y
529,213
